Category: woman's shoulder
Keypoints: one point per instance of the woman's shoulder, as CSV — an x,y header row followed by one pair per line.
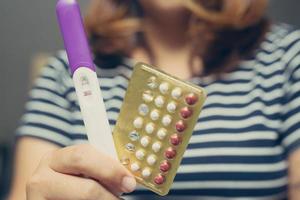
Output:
x,y
279,48
281,38
123,66
58,61
282,33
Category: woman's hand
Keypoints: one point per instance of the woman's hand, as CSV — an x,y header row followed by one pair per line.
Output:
x,y
79,172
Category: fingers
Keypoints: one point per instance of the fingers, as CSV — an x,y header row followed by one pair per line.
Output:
x,y
48,184
87,161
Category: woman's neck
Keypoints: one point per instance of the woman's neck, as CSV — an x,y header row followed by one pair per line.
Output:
x,y
166,30
166,37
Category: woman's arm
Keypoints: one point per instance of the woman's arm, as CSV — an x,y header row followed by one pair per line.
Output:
x,y
294,176
29,152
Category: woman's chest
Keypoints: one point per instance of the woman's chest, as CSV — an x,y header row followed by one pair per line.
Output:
x,y
236,144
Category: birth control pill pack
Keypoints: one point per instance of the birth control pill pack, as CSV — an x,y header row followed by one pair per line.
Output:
x,y
155,124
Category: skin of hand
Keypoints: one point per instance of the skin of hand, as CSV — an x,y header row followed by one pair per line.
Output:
x,y
79,172
294,176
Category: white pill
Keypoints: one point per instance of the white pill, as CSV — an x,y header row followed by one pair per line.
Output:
x,y
164,87
171,107
151,160
161,133
130,147
166,120
138,122
159,101
145,141
152,82
143,109
134,167
149,128
156,147
148,96
140,154
176,93
154,115
146,172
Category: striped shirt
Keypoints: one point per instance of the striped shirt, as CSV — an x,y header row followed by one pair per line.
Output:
x,y
249,126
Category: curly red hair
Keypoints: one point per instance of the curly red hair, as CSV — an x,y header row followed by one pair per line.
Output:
x,y
223,31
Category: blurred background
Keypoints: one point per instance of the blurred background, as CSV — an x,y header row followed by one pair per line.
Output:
x,y
29,32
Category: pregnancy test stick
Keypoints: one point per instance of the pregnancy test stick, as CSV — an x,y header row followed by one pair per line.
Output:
x,y
85,77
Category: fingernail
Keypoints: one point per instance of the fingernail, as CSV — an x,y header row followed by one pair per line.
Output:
x,y
128,184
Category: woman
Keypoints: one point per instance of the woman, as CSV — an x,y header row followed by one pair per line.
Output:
x,y
247,143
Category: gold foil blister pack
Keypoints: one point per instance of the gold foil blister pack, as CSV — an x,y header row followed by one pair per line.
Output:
x,y
155,124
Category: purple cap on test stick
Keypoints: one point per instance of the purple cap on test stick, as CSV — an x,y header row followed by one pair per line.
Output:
x,y
74,36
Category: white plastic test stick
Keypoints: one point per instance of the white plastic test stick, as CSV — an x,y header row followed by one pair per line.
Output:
x,y
85,78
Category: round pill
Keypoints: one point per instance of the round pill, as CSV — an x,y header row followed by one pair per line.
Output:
x,y
159,179
134,167
134,136
161,133
154,115
159,101
191,99
165,166
148,96
175,139
138,122
171,107
140,154
143,109
152,82
149,128
166,120
146,172
156,147
145,141
170,153
151,160
180,126
176,93
164,87
130,147
186,112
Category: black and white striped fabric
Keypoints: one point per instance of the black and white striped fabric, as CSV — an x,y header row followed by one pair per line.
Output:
x,y
249,126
